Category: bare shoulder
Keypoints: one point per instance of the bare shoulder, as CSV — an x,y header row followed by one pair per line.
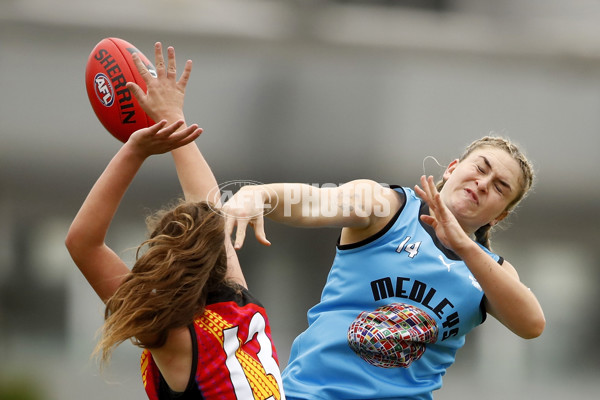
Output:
x,y
174,358
373,193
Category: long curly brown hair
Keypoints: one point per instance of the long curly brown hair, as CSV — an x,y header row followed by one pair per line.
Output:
x,y
183,259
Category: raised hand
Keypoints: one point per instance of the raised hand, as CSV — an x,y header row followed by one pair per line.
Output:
x,y
161,138
165,93
446,226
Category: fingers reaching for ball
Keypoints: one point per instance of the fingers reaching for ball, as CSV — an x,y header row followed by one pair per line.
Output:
x,y
163,137
164,94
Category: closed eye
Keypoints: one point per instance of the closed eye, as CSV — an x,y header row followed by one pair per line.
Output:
x,y
501,183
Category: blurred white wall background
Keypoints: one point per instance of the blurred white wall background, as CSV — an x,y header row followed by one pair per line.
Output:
x,y
319,92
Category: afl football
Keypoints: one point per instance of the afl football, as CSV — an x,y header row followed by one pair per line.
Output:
x,y
109,67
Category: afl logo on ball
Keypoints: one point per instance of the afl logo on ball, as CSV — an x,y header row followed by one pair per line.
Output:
x,y
104,90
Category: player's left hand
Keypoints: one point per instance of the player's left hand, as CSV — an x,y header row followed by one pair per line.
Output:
x,y
446,226
161,138
165,94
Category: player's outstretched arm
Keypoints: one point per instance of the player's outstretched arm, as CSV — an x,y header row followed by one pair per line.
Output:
x,y
360,207
100,265
164,99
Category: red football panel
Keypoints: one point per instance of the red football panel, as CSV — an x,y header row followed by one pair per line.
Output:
x,y
127,49
108,69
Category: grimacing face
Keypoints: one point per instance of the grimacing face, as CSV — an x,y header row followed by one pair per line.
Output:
x,y
479,188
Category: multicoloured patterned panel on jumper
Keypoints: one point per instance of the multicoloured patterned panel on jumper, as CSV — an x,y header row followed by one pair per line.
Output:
x,y
392,336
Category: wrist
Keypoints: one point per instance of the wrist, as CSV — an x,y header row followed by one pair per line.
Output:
x,y
466,247
170,117
268,195
133,152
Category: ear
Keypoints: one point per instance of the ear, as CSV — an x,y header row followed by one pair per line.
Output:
x,y
499,218
451,167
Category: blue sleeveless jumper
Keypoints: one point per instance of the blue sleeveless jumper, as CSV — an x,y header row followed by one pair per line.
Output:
x,y
394,311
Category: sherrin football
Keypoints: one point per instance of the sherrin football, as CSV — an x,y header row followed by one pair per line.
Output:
x,y
109,67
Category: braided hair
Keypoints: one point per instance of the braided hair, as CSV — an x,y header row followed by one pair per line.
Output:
x,y
482,235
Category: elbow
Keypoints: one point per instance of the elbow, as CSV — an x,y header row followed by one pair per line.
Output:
x,y
70,242
535,328
73,243
71,246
